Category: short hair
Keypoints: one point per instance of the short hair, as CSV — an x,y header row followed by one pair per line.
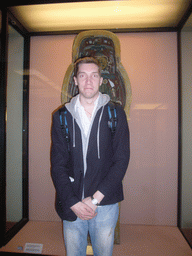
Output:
x,y
85,60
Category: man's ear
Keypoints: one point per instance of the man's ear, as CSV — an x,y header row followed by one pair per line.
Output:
x,y
101,80
75,80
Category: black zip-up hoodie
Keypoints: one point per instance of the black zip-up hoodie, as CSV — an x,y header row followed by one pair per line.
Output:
x,y
96,162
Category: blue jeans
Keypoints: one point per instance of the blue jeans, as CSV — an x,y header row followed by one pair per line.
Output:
x,y
101,230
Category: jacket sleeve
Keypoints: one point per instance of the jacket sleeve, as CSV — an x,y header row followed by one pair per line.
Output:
x,y
121,156
60,165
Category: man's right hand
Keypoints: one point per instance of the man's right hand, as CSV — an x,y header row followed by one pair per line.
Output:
x,y
83,211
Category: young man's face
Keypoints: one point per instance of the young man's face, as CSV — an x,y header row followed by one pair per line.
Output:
x,y
88,80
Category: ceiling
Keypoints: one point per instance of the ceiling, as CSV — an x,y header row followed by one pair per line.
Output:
x,y
114,15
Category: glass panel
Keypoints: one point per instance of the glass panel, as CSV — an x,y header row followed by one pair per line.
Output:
x,y
14,125
186,92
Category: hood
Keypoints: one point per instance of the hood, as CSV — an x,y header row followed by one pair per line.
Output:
x,y
103,100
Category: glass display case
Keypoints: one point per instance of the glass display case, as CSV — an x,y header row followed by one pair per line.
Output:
x,y
14,127
185,199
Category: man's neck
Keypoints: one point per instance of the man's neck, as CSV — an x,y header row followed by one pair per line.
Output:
x,y
86,102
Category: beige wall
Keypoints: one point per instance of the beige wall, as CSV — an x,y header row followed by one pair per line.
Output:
x,y
150,185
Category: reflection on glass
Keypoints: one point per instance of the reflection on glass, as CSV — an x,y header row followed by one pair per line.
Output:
x,y
14,117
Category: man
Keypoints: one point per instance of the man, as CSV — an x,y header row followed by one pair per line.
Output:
x,y
88,174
